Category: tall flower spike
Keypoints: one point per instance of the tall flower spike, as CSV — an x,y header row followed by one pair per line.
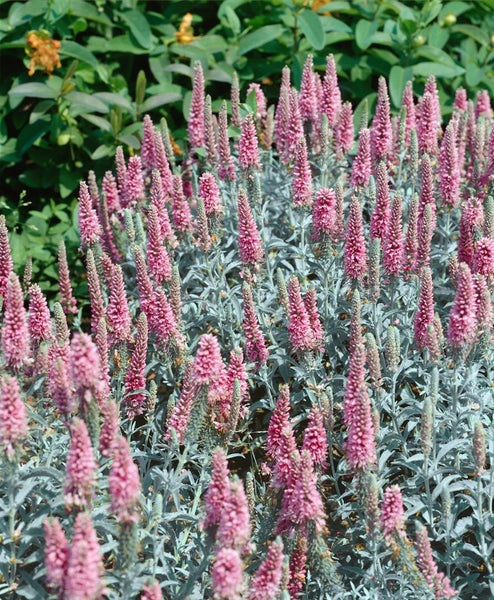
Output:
x,y
331,95
302,176
146,292
449,172
227,578
436,581
392,513
195,126
56,554
234,527
256,349
310,302
426,232
83,575
134,182
355,251
110,427
362,164
39,316
110,191
179,418
428,125
209,132
13,416
411,238
15,332
282,114
299,327
462,324
360,447
224,166
208,364
409,105
80,478
182,219
159,261
344,130
67,300
381,212
121,167
162,164
393,243
279,421
248,146
381,133
315,438
95,295
135,379
218,493
308,95
158,200
165,325
249,241
148,148
85,367
483,260
295,130
354,383
324,214
266,583
89,225
6,264
123,483
117,311
235,101
210,194
425,311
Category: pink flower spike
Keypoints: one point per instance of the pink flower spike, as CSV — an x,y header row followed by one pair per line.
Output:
x,y
324,213
163,165
39,316
148,148
158,201
85,367
393,241
302,176
449,172
159,261
256,349
483,260
483,104
89,226
68,302
227,577
208,363
331,95
13,416
135,378
210,194
436,581
124,483
279,421
15,332
121,167
355,249
248,146
182,219
134,182
295,130
425,311
381,132
344,130
83,575
360,447
381,212
117,311
310,302
392,512
225,166
428,125
151,591
110,191
362,164
56,554
265,584
461,99
219,490
95,295
110,427
80,478
308,96
315,438
234,527
354,384
249,240
462,323
408,103
6,264
195,126
299,327
179,418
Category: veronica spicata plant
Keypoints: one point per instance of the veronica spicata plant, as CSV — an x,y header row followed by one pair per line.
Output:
x,y
282,387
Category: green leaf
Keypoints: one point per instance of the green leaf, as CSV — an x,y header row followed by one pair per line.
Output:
x,y
437,36
88,11
23,12
33,90
398,78
476,33
99,122
139,27
75,50
364,32
455,8
425,69
332,24
311,26
430,11
474,75
87,102
259,37
160,100
114,100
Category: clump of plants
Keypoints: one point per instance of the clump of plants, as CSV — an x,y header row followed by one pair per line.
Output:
x,y
282,387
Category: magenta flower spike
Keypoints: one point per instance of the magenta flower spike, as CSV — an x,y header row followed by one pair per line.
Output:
x,y
163,165
159,261
235,101
248,146
124,483
181,217
483,260
299,327
279,421
234,527
6,264
210,194
218,493
462,323
13,416
249,240
80,474
196,128
331,95
58,380
15,332
266,582
151,591
146,292
483,104
224,166
134,182
409,104
56,554
355,249
282,115
310,302
362,164
39,320
360,447
295,130
324,214
431,88
158,200
425,311
426,231
121,168
354,384
393,241
428,125
437,582
208,364
227,576
392,513
461,99
135,378
483,304
179,418
261,101
117,312
470,226
89,225
255,344
110,427
95,295
298,567
110,191
449,172
67,300
165,325
148,148
381,212
287,461
302,176
84,571
85,368
381,132
308,93
343,132
315,438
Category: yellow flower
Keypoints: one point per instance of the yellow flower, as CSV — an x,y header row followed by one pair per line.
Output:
x,y
185,33
43,51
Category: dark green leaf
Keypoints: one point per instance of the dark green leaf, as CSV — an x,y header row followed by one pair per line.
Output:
x,y
89,11
476,33
332,24
139,27
82,54
114,100
160,100
425,69
398,78
310,23
31,133
364,32
259,37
